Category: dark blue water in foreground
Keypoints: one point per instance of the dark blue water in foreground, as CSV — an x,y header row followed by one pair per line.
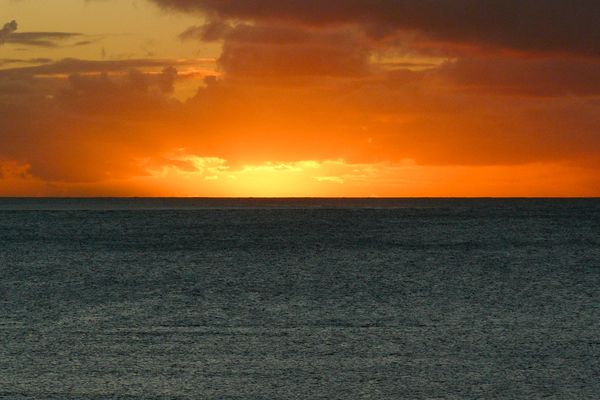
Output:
x,y
299,299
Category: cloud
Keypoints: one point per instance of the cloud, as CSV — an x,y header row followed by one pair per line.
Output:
x,y
474,42
13,170
73,65
276,51
130,97
6,30
91,130
212,31
38,60
41,39
553,25
525,76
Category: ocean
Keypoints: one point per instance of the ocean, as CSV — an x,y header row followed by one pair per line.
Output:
x,y
299,298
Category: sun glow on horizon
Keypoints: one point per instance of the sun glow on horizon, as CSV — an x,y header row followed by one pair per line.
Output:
x,y
196,176
182,175
268,179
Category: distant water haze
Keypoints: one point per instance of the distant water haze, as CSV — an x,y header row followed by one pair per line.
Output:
x,y
198,203
299,298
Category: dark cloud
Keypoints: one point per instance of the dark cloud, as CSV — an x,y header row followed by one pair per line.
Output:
x,y
273,51
73,65
94,128
7,29
276,51
529,25
212,31
95,125
39,60
41,39
524,76
133,94
166,80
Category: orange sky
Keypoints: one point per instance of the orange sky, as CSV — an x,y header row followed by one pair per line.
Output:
x,y
286,98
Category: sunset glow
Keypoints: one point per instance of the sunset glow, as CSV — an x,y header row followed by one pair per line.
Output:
x,y
293,99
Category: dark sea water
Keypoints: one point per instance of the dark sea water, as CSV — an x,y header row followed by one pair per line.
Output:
x,y
299,299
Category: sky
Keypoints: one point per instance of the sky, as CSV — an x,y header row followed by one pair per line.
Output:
x,y
263,98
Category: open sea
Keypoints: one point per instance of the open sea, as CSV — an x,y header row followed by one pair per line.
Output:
x,y
299,299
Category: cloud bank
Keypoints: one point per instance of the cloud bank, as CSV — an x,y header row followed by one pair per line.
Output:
x,y
528,25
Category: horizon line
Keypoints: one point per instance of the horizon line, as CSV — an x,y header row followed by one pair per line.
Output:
x,y
287,198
